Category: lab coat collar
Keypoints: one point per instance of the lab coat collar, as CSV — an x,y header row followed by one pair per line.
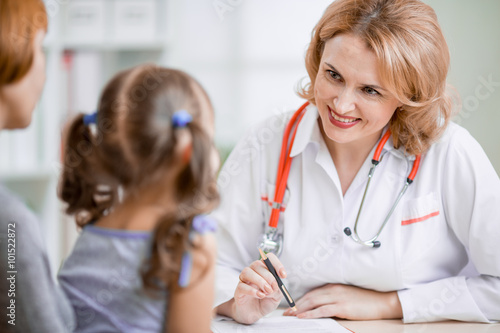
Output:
x,y
309,132
305,132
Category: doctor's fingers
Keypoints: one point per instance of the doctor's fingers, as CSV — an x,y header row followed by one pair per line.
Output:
x,y
325,311
325,295
309,302
258,275
278,266
244,292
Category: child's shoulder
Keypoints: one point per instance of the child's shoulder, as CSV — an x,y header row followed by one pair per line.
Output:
x,y
201,256
203,224
204,244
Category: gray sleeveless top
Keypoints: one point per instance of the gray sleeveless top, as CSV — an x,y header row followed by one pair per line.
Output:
x,y
102,280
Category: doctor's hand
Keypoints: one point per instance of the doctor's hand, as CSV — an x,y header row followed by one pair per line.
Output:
x,y
347,302
257,293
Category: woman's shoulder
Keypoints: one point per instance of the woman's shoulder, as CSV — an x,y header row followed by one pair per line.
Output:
x,y
13,208
455,137
457,145
16,216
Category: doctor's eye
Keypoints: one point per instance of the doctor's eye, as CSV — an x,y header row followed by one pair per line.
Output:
x,y
334,75
371,91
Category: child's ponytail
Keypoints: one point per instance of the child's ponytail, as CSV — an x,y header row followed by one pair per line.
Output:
x,y
196,194
86,197
196,184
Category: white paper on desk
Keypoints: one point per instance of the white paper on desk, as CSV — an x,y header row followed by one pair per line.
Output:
x,y
278,324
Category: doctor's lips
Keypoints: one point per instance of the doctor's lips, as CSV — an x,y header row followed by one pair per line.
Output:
x,y
341,121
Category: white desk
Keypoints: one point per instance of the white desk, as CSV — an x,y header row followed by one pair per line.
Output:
x,y
397,326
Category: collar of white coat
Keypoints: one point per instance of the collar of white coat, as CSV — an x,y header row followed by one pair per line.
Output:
x,y
309,132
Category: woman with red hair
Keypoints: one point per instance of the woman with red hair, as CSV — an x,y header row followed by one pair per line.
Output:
x,y
29,296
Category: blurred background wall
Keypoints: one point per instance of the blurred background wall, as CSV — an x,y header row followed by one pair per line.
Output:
x,y
248,54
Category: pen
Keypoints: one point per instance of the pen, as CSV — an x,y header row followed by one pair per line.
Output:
x,y
282,287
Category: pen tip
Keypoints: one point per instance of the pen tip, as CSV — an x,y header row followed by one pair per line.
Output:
x,y
262,254
294,309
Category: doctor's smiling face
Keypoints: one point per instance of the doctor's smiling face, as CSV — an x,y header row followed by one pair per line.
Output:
x,y
352,102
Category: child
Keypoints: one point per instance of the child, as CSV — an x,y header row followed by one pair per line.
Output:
x,y
138,175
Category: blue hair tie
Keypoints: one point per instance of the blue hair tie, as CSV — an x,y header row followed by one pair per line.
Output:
x,y
181,118
90,119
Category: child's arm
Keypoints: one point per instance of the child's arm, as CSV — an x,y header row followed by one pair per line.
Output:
x,y
190,309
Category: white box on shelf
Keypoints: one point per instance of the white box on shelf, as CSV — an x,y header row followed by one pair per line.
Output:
x,y
134,21
85,21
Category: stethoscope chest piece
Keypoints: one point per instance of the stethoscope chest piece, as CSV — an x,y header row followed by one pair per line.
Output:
x,y
272,241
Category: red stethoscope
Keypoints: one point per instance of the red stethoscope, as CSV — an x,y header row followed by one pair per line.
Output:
x,y
272,241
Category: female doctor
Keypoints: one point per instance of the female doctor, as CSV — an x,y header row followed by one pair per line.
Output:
x,y
385,201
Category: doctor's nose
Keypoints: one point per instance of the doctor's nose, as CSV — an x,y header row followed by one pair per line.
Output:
x,y
345,101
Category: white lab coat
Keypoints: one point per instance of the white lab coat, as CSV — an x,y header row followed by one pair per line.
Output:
x,y
450,214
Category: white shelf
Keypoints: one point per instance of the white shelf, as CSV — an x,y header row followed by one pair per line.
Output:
x,y
30,159
27,176
112,46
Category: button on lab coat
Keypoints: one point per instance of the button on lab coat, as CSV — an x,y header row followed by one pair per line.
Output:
x,y
448,216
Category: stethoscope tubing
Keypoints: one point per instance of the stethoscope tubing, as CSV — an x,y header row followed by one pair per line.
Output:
x,y
372,242
284,164
284,170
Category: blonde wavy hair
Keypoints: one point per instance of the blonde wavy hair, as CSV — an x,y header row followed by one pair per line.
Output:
x,y
413,56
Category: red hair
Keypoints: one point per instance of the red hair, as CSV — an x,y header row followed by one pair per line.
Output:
x,y
20,20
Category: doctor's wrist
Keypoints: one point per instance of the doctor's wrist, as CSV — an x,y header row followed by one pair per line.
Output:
x,y
392,308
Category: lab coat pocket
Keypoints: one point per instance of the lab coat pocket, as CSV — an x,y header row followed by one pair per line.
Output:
x,y
420,225
420,209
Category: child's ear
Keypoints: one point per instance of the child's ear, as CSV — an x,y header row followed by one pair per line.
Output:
x,y
186,155
184,146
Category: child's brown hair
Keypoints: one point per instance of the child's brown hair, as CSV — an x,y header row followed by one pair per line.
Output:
x,y
134,143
